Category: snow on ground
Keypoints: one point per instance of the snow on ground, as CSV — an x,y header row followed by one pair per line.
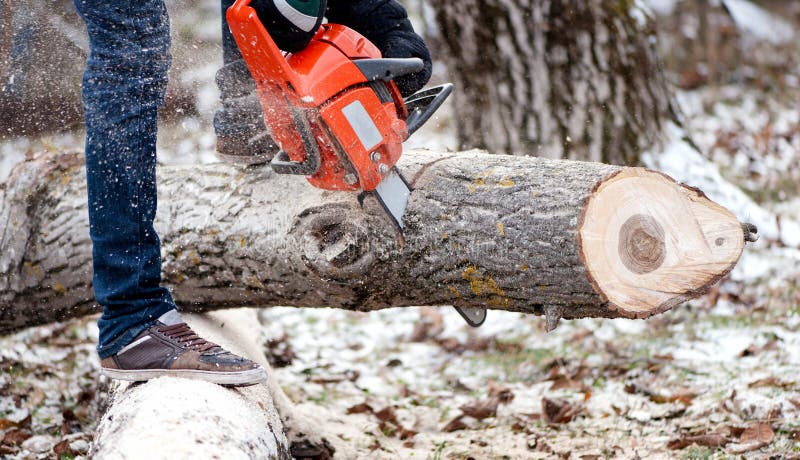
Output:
x,y
625,388
398,383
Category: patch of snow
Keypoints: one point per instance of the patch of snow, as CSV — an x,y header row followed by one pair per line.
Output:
x,y
685,164
661,7
759,22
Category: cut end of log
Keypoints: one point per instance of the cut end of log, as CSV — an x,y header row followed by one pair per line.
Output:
x,y
649,243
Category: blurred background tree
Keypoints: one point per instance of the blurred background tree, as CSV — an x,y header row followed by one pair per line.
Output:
x,y
556,78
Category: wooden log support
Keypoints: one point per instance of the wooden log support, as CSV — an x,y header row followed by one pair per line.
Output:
x,y
562,238
205,420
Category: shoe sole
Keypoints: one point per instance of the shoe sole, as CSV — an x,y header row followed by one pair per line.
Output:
x,y
234,379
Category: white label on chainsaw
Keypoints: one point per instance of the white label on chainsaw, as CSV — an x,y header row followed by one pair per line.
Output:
x,y
362,124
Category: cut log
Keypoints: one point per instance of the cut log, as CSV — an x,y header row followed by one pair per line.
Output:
x,y
562,238
634,247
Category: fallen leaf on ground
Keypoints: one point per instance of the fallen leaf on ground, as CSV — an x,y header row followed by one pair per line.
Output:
x,y
760,432
564,382
430,325
753,349
387,414
279,351
681,395
62,449
487,407
351,376
772,382
360,409
559,411
455,425
15,437
707,440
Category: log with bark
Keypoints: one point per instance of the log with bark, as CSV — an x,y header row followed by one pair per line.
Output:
x,y
561,238
205,420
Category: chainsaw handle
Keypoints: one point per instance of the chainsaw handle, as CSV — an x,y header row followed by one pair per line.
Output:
x,y
387,69
422,104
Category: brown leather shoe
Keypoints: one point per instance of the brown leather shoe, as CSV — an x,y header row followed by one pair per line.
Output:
x,y
175,350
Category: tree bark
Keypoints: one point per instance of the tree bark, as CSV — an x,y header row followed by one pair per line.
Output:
x,y
493,231
558,78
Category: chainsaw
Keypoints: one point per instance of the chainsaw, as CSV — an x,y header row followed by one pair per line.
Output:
x,y
336,112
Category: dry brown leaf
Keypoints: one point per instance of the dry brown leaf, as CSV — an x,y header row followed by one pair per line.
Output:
x,y
388,423
405,433
683,396
62,449
15,437
707,440
487,407
753,350
351,375
758,432
279,351
559,411
481,409
455,425
564,382
360,409
387,414
772,382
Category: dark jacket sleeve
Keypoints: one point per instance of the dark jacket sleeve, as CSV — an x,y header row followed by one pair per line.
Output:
x,y
385,23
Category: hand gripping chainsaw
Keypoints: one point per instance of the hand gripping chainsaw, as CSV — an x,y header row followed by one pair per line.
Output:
x,y
336,112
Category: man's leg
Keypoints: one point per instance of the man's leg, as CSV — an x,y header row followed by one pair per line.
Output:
x,y
123,86
141,334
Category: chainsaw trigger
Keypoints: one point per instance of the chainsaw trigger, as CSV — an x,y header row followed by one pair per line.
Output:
x,y
282,164
422,104
387,69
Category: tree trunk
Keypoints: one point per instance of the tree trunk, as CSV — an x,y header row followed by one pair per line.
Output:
x,y
42,52
557,78
561,238
43,49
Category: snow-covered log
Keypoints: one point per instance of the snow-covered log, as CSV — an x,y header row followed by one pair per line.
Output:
x,y
184,419
562,238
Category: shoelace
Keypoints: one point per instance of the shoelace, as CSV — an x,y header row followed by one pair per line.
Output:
x,y
186,337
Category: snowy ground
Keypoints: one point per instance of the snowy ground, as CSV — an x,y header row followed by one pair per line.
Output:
x,y
396,383
716,378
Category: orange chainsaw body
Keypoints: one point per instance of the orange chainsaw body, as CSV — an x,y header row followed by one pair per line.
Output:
x,y
318,102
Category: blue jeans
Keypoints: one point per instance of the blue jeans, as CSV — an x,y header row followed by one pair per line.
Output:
x,y
123,86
